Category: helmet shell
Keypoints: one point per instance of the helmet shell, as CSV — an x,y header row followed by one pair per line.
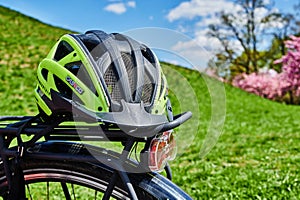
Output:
x,y
98,70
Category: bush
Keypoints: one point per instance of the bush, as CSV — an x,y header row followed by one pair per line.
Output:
x,y
276,86
267,84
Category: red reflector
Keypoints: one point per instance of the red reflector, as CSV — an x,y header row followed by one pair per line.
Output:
x,y
162,149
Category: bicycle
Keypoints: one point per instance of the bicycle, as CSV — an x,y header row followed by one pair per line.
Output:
x,y
55,149
60,160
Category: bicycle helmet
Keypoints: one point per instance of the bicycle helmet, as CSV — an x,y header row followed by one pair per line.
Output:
x,y
102,73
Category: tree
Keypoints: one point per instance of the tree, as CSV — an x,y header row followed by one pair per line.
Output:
x,y
291,68
283,86
285,26
242,32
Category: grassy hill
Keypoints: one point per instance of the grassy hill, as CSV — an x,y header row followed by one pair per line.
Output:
x,y
24,41
256,157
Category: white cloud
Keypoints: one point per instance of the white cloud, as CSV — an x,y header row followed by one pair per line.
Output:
x,y
197,51
212,19
195,8
182,29
203,47
131,4
117,8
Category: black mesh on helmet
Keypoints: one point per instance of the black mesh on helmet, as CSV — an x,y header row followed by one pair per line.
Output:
x,y
112,84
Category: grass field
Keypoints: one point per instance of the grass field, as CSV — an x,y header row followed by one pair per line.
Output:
x,y
256,157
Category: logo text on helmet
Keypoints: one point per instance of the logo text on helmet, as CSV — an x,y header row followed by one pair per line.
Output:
x,y
74,85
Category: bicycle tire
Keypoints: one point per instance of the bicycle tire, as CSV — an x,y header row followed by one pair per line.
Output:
x,y
90,175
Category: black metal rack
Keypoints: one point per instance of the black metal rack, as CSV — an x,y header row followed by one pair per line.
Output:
x,y
62,129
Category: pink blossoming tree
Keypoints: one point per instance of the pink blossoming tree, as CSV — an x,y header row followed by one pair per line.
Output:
x,y
273,85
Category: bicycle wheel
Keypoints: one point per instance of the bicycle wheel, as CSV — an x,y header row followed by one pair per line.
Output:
x,y
48,179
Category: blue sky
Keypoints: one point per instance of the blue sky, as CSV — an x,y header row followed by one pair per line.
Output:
x,y
185,21
109,15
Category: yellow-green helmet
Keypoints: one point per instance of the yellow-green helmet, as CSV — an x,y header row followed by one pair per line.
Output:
x,y
99,71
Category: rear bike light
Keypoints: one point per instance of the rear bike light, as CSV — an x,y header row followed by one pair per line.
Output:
x,y
162,149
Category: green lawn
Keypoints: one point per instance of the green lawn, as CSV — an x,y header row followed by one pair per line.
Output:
x,y
256,157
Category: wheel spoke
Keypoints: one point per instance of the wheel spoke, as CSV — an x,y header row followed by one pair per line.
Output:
x,y
56,183
66,191
95,194
73,192
48,190
29,192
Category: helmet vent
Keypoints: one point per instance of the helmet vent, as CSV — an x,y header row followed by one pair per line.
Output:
x,y
45,73
79,70
149,56
111,81
62,50
161,86
66,91
148,89
131,71
62,87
